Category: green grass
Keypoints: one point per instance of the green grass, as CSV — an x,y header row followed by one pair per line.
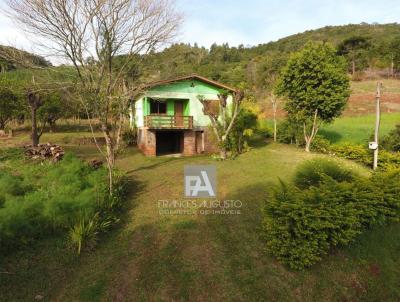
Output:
x,y
154,257
369,86
358,129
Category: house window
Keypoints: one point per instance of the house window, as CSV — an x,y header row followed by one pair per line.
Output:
x,y
158,107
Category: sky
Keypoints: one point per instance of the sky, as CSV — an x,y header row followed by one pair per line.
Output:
x,y
251,22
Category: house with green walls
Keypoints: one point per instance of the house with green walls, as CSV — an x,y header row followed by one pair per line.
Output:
x,y
169,116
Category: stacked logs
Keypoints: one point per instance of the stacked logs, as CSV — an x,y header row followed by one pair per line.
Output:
x,y
45,152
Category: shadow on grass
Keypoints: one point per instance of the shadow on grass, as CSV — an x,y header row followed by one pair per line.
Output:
x,y
332,136
258,141
246,263
159,163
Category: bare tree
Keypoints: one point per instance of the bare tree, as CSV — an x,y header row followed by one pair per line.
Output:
x,y
92,35
274,102
221,122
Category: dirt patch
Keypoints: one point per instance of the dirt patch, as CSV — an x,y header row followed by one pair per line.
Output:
x,y
365,104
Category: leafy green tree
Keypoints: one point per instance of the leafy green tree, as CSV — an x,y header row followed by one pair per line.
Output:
x,y
389,54
354,49
8,106
53,109
316,86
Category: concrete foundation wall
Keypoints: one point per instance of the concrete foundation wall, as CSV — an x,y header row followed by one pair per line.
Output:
x,y
196,141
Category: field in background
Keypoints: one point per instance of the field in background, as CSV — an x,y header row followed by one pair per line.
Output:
x,y
358,129
361,101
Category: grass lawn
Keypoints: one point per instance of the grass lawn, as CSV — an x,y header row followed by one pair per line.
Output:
x,y
369,86
358,129
154,257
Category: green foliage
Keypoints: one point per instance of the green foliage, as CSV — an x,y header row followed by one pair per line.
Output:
x,y
257,66
7,154
264,129
313,173
355,50
28,58
320,144
301,225
315,79
52,198
242,130
84,233
53,108
9,105
391,141
353,152
129,137
290,132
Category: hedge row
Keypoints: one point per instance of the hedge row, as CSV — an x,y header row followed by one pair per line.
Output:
x,y
387,160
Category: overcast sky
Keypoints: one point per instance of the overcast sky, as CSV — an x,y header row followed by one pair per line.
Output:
x,y
251,22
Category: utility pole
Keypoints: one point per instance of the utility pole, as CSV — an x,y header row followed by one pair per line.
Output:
x,y
377,124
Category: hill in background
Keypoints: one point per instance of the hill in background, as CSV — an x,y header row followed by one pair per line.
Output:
x,y
12,58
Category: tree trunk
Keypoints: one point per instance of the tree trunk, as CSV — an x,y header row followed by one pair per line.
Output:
x,y
110,155
392,68
309,138
274,109
353,66
308,144
223,153
52,125
34,133
275,128
119,132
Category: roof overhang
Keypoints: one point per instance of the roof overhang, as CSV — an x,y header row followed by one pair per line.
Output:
x,y
191,77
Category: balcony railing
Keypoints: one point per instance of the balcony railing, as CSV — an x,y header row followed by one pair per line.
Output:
x,y
168,122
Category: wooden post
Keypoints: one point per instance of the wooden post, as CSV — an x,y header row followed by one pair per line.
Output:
x,y
377,123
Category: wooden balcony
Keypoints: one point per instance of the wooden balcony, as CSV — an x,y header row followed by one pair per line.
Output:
x,y
168,122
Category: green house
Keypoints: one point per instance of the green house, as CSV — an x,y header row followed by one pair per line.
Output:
x,y
169,116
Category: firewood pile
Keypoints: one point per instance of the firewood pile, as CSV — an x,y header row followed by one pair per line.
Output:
x,y
45,152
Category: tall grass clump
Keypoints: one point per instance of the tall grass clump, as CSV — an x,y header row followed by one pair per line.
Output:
x,y
48,199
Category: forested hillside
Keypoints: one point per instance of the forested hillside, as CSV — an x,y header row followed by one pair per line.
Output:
x,y
375,48
12,58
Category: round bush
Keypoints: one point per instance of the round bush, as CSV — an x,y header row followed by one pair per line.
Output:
x,y
312,172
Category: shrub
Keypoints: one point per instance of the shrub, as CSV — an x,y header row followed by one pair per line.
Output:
x,y
301,225
50,198
290,132
241,131
313,172
264,129
354,152
391,141
320,144
129,137
84,234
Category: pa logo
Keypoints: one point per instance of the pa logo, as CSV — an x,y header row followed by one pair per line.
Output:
x,y
200,181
